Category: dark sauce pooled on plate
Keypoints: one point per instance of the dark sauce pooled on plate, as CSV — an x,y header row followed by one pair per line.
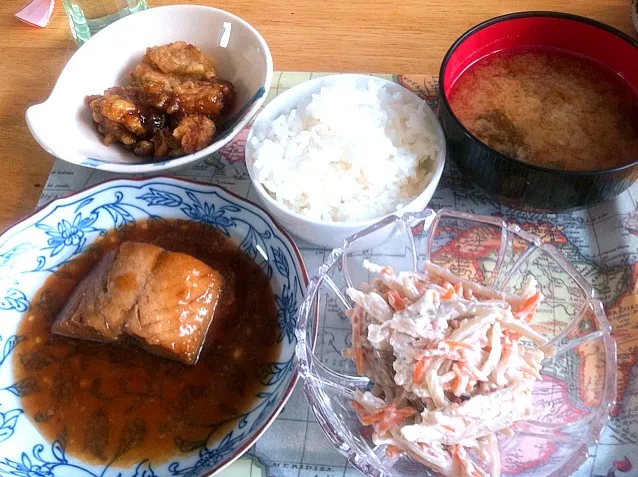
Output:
x,y
116,403
549,108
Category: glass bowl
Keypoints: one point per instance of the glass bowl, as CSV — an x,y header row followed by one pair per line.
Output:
x,y
579,380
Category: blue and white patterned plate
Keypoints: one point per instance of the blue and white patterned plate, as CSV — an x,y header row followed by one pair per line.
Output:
x,y
36,247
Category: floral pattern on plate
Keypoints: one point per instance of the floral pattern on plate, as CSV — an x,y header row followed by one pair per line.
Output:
x,y
38,246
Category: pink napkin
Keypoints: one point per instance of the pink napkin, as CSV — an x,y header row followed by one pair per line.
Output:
x,y
37,13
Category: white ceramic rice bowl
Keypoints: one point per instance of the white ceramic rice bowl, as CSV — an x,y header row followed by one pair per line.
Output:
x,y
320,232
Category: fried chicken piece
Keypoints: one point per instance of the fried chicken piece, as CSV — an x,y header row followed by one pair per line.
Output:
x,y
181,58
195,132
121,116
118,105
161,144
171,107
111,130
210,98
144,148
145,74
165,143
116,118
173,64
153,95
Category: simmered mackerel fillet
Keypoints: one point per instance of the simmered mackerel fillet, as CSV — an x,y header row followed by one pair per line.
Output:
x,y
174,311
165,300
447,362
103,300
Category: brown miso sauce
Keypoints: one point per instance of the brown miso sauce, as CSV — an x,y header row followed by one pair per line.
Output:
x,y
549,108
118,404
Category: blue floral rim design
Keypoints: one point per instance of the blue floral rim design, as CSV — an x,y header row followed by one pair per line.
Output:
x,y
40,244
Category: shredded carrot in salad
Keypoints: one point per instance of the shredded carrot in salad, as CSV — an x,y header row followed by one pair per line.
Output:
x,y
392,451
395,300
359,358
448,364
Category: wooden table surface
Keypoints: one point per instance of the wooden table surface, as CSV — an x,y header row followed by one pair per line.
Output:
x,y
376,36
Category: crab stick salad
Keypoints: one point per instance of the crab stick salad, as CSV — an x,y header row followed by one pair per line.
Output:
x,y
453,364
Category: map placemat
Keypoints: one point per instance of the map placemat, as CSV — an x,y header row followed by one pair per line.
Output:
x,y
601,242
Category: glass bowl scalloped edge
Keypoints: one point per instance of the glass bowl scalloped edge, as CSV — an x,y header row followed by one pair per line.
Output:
x,y
321,383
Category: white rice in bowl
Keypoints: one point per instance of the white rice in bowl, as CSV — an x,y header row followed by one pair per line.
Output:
x,y
347,154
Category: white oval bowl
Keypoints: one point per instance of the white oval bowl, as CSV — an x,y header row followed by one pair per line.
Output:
x,y
321,232
34,249
62,125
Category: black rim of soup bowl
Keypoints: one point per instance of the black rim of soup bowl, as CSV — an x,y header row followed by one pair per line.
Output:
x,y
517,183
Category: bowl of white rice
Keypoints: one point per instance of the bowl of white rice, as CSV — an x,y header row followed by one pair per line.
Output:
x,y
333,155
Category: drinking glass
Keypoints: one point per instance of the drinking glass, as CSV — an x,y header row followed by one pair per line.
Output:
x,y
87,17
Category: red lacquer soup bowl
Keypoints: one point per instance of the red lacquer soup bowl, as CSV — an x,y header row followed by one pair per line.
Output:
x,y
510,180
